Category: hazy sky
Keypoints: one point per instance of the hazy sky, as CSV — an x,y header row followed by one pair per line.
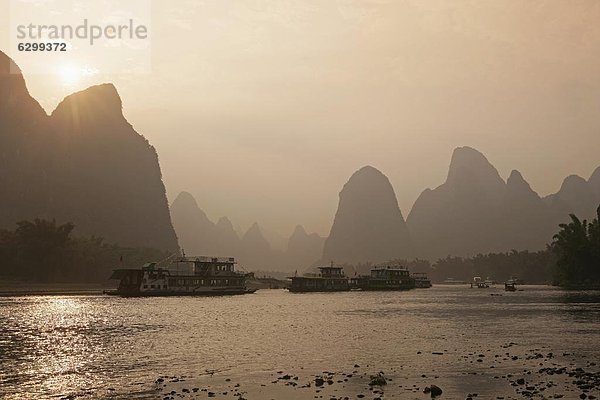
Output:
x,y
263,109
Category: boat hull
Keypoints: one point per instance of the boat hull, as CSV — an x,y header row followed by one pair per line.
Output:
x,y
305,290
176,293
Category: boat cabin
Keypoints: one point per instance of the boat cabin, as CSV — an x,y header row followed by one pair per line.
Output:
x,y
385,278
183,276
329,279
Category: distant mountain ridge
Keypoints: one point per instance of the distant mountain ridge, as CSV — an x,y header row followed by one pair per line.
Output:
x,y
475,211
84,163
368,224
198,235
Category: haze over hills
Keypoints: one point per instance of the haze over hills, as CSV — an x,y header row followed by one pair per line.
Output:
x,y
475,211
368,224
576,195
303,249
198,235
84,164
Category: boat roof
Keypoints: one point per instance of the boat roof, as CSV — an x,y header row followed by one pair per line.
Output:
x,y
390,267
206,259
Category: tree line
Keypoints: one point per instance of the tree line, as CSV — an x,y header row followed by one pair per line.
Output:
x,y
572,259
44,251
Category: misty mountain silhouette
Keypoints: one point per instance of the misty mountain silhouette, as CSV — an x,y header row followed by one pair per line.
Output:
x,y
198,235
303,249
368,224
594,181
475,211
576,195
84,163
256,250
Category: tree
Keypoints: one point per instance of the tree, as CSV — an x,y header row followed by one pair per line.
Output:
x,y
42,246
577,247
42,250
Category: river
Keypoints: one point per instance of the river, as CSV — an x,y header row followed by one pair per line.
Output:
x,y
274,344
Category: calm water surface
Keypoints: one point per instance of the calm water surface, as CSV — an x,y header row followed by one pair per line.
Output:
x,y
110,347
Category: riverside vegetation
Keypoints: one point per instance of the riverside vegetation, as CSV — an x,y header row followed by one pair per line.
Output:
x,y
572,259
44,251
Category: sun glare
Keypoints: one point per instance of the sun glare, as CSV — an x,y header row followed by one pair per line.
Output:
x,y
71,74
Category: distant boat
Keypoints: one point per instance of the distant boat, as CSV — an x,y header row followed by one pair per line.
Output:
x,y
333,279
510,285
185,276
385,278
479,283
488,281
421,280
329,279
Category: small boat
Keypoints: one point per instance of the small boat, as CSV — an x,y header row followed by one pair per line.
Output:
x,y
479,283
490,282
185,276
510,286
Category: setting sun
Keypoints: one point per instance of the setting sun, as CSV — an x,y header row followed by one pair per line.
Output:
x,y
71,74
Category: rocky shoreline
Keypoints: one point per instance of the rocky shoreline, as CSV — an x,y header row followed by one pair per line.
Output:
x,y
507,373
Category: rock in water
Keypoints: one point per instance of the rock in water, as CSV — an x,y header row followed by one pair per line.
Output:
x,y
378,380
435,390
368,225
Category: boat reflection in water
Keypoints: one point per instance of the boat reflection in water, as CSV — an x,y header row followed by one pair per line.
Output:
x,y
184,276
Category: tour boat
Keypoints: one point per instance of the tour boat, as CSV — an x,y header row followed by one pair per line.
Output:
x,y
385,278
329,279
184,276
421,280
333,279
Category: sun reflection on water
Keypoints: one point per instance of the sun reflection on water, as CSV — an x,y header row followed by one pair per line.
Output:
x,y
107,347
